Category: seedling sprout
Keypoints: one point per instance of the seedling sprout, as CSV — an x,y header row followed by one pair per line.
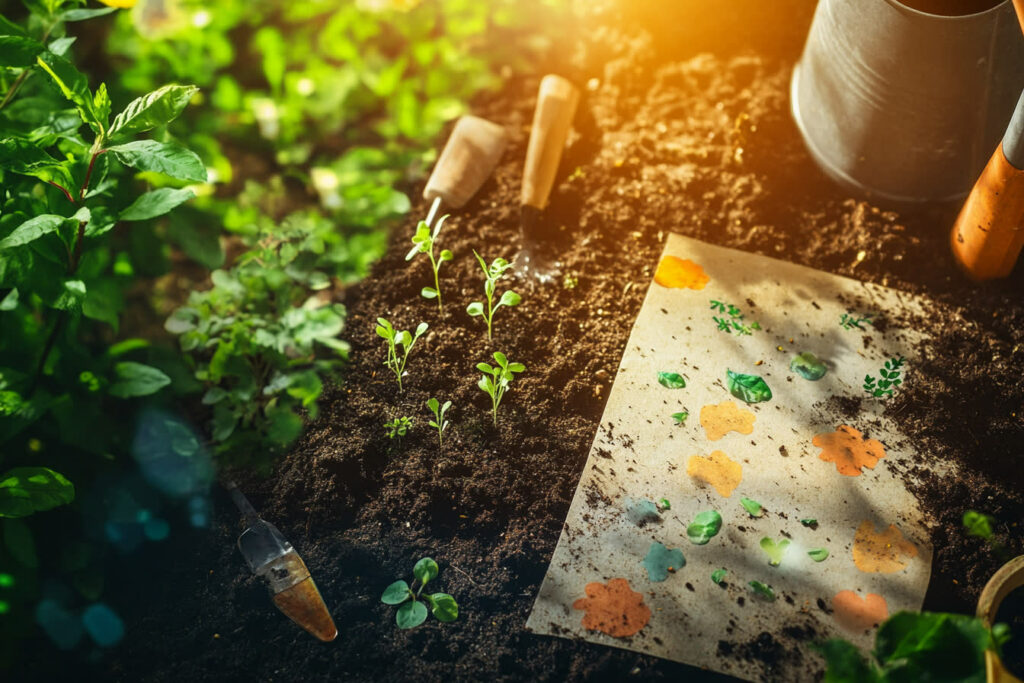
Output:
x,y
412,612
888,380
398,427
496,380
394,339
423,243
492,274
774,549
439,422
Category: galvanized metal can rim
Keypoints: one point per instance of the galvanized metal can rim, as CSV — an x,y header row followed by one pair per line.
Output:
x,y
896,4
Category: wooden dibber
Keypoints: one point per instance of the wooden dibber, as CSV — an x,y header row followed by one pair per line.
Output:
x,y
469,156
556,107
989,232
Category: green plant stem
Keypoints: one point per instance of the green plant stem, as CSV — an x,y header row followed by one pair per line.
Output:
x,y
490,316
62,189
88,175
437,284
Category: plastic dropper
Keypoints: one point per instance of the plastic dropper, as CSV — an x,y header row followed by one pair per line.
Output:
x,y
270,556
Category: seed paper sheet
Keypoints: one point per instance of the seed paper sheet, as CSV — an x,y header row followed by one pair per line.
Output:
x,y
818,449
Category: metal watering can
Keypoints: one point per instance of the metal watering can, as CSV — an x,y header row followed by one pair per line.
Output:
x,y
905,101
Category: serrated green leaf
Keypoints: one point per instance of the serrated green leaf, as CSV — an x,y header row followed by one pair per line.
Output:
x,y
747,388
153,109
168,158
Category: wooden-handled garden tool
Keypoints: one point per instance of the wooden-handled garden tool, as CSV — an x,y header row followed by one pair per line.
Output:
x,y
552,119
989,232
272,557
469,156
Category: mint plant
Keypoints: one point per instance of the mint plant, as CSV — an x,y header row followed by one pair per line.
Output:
x,y
888,380
492,274
439,422
496,380
423,243
398,427
393,339
412,612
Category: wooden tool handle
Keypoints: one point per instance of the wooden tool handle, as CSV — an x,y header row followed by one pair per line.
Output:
x,y
556,107
469,156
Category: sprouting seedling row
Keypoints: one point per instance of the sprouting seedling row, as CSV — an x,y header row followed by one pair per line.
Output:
x,y
492,274
423,243
394,339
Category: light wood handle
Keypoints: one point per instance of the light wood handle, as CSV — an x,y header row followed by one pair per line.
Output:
x,y
556,107
469,156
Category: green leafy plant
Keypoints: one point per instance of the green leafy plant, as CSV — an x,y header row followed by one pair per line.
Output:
x,y
398,427
671,380
393,339
888,380
852,321
704,527
423,243
439,422
496,380
734,322
492,274
916,646
413,603
978,524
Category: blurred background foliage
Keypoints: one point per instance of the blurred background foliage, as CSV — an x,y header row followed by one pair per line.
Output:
x,y
213,328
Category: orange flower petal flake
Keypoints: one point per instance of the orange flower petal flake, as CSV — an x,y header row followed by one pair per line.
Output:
x,y
849,450
680,273
722,418
858,614
614,609
881,552
718,470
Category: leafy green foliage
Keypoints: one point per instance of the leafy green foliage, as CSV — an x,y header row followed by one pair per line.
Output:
x,y
888,379
439,422
671,380
762,590
492,274
914,646
852,321
774,549
398,427
747,388
808,366
978,524
496,380
704,527
411,612
734,323
25,490
753,508
423,243
393,339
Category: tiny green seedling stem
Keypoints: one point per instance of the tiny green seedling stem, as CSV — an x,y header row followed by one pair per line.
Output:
x,y
492,274
394,338
439,422
496,380
423,243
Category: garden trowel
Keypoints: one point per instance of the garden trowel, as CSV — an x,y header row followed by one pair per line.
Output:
x,y
989,232
552,119
273,558
469,156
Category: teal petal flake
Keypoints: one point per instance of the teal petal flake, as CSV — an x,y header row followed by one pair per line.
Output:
x,y
660,561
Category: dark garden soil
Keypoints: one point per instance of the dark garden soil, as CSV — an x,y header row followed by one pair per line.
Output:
x,y
685,128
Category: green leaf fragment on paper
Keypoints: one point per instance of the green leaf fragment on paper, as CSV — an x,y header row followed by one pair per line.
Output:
x,y
753,508
705,526
774,550
718,575
809,522
660,561
818,554
763,590
808,366
671,380
747,388
664,504
680,418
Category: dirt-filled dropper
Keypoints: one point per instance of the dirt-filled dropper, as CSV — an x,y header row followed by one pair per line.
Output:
x,y
468,158
273,558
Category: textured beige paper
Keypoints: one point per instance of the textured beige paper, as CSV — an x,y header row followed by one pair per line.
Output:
x,y
639,453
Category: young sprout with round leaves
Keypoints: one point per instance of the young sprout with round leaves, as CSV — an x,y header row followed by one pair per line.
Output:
x,y
394,338
439,422
497,379
423,243
492,274
412,612
398,427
